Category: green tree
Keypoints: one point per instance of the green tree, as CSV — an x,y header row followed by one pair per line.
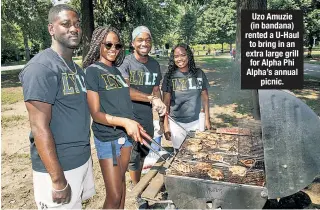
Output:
x,y
126,15
218,23
87,25
187,26
11,42
29,17
246,4
311,17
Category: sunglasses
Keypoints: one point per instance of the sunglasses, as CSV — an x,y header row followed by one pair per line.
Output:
x,y
109,45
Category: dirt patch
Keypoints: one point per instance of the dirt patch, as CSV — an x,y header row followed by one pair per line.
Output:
x,y
16,182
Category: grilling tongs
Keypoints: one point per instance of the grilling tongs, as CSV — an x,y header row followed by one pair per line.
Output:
x,y
146,136
175,122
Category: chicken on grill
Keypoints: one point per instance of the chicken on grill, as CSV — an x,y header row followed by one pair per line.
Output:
x,y
215,174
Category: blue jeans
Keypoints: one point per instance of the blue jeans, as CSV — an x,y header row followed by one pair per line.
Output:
x,y
104,149
158,140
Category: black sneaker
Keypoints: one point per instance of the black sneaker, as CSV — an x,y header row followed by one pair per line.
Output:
x,y
141,203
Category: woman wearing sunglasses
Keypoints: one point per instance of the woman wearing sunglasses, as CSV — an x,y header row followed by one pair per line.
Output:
x,y
111,109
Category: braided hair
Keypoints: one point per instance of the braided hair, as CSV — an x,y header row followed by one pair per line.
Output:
x,y
94,52
172,67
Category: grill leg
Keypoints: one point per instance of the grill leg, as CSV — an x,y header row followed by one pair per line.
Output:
x,y
215,204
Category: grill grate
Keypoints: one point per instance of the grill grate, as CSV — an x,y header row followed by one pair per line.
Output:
x,y
232,148
251,147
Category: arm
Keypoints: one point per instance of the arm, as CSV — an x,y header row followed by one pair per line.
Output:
x,y
161,108
137,95
157,104
131,126
40,117
166,100
156,91
205,102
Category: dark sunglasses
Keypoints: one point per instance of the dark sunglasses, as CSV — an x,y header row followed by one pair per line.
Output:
x,y
109,46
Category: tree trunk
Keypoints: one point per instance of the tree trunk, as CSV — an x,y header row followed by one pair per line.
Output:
x,y
221,47
248,4
245,4
26,46
310,44
87,25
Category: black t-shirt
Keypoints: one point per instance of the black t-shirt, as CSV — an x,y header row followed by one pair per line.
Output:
x,y
114,98
185,104
46,78
143,77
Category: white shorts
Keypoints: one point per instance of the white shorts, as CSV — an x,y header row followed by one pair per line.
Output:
x,y
80,180
156,126
178,134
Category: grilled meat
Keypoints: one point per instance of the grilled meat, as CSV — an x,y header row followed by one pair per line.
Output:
x,y
248,162
194,147
200,155
194,141
238,170
215,174
184,167
203,166
215,157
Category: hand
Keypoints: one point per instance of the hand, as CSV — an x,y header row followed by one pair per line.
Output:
x,y
161,124
133,130
61,192
167,133
208,124
159,106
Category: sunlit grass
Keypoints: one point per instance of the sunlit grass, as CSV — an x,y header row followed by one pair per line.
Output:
x,y
11,120
11,95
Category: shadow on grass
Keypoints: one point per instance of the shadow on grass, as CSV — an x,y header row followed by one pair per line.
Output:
x,y
314,60
215,61
10,79
15,63
310,94
228,121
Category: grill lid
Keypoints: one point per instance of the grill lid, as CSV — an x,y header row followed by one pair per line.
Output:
x,y
291,137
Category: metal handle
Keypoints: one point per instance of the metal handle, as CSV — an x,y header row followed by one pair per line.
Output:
x,y
155,151
146,136
175,122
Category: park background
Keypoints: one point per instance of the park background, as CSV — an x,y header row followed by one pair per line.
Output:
x,y
211,27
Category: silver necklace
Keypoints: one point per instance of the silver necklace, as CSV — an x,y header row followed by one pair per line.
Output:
x,y
67,64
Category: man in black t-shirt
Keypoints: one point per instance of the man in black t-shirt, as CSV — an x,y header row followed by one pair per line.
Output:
x,y
55,96
142,73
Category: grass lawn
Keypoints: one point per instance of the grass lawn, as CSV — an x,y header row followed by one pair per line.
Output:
x,y
11,91
315,58
15,63
310,93
221,69
8,120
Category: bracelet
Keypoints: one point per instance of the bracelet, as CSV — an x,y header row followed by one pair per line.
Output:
x,y
62,189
